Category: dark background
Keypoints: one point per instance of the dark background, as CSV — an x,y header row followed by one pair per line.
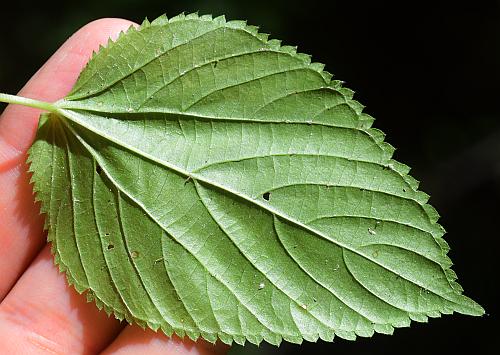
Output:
x,y
429,73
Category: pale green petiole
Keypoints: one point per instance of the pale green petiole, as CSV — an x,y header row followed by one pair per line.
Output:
x,y
19,100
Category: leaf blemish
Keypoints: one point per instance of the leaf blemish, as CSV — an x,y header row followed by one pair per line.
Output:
x,y
266,196
111,247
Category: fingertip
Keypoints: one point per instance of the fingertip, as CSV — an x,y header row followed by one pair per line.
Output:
x,y
97,32
54,80
20,222
68,61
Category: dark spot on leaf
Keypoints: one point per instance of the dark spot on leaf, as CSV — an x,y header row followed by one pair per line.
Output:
x,y
106,234
216,63
111,246
266,196
404,190
98,169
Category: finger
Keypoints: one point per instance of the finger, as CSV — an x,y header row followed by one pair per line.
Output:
x,y
134,340
21,225
42,315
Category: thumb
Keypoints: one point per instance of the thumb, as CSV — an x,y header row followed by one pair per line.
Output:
x,y
21,225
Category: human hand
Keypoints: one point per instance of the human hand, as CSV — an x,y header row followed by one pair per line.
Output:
x,y
39,313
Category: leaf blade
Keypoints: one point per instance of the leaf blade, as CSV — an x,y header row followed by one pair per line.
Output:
x,y
245,165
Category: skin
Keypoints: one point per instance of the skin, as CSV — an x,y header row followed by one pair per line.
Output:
x,y
39,313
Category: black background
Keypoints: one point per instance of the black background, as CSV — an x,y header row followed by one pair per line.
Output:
x,y
429,72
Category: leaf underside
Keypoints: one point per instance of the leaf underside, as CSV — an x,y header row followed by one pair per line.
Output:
x,y
210,182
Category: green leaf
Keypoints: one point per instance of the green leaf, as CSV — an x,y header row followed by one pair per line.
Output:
x,y
202,179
